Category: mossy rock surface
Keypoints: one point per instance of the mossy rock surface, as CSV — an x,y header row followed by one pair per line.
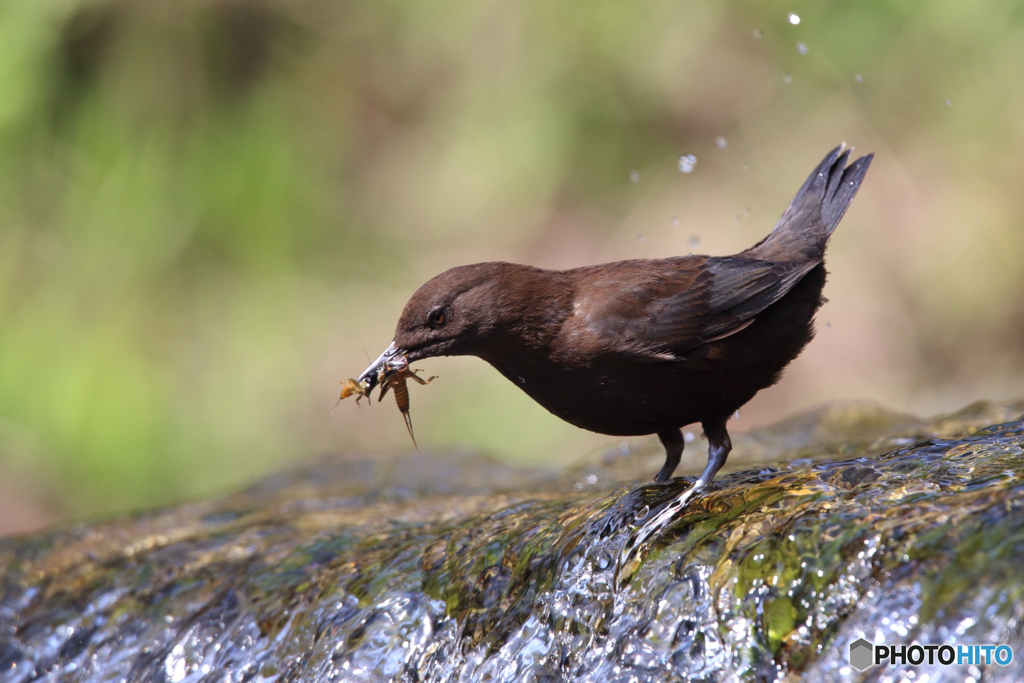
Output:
x,y
841,523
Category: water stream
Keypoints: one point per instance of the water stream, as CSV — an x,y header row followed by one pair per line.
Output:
x,y
843,523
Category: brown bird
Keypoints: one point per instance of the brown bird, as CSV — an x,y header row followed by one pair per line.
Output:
x,y
644,346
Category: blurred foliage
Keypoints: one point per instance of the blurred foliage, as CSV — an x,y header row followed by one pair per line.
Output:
x,y
210,208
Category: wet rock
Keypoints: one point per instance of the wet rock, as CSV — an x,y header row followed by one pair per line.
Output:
x,y
854,522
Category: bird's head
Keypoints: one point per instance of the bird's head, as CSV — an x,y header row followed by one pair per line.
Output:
x,y
453,314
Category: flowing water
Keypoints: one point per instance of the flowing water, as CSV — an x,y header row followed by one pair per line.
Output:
x,y
862,524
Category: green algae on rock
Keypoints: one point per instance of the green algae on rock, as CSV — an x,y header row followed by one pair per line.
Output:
x,y
458,569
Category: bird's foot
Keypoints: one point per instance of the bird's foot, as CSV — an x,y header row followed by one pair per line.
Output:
x,y
630,554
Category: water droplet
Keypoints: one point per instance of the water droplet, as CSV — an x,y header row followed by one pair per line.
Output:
x,y
687,162
642,513
688,437
695,241
858,79
736,218
736,415
640,238
721,143
522,380
634,176
758,33
746,211
746,166
948,103
674,222
787,78
578,486
801,48
591,479
794,18
828,324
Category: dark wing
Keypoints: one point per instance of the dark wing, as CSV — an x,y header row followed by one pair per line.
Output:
x,y
662,312
726,297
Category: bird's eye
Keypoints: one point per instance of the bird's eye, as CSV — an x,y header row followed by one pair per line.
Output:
x,y
437,317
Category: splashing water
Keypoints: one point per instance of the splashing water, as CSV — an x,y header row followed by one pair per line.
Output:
x,y
687,162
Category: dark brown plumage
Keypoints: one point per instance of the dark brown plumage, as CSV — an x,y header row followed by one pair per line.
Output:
x,y
645,346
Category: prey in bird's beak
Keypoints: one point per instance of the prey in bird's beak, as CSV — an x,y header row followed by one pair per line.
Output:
x,y
390,370
379,368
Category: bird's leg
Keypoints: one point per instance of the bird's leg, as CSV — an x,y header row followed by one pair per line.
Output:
x,y
718,451
672,440
719,446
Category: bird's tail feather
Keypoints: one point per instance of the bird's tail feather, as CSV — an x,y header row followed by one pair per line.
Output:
x,y
815,211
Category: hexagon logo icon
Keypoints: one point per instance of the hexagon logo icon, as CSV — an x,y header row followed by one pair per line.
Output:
x,y
861,654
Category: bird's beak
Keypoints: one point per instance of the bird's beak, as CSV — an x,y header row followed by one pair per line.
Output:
x,y
370,374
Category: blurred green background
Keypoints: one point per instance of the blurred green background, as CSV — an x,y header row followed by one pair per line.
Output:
x,y
212,210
